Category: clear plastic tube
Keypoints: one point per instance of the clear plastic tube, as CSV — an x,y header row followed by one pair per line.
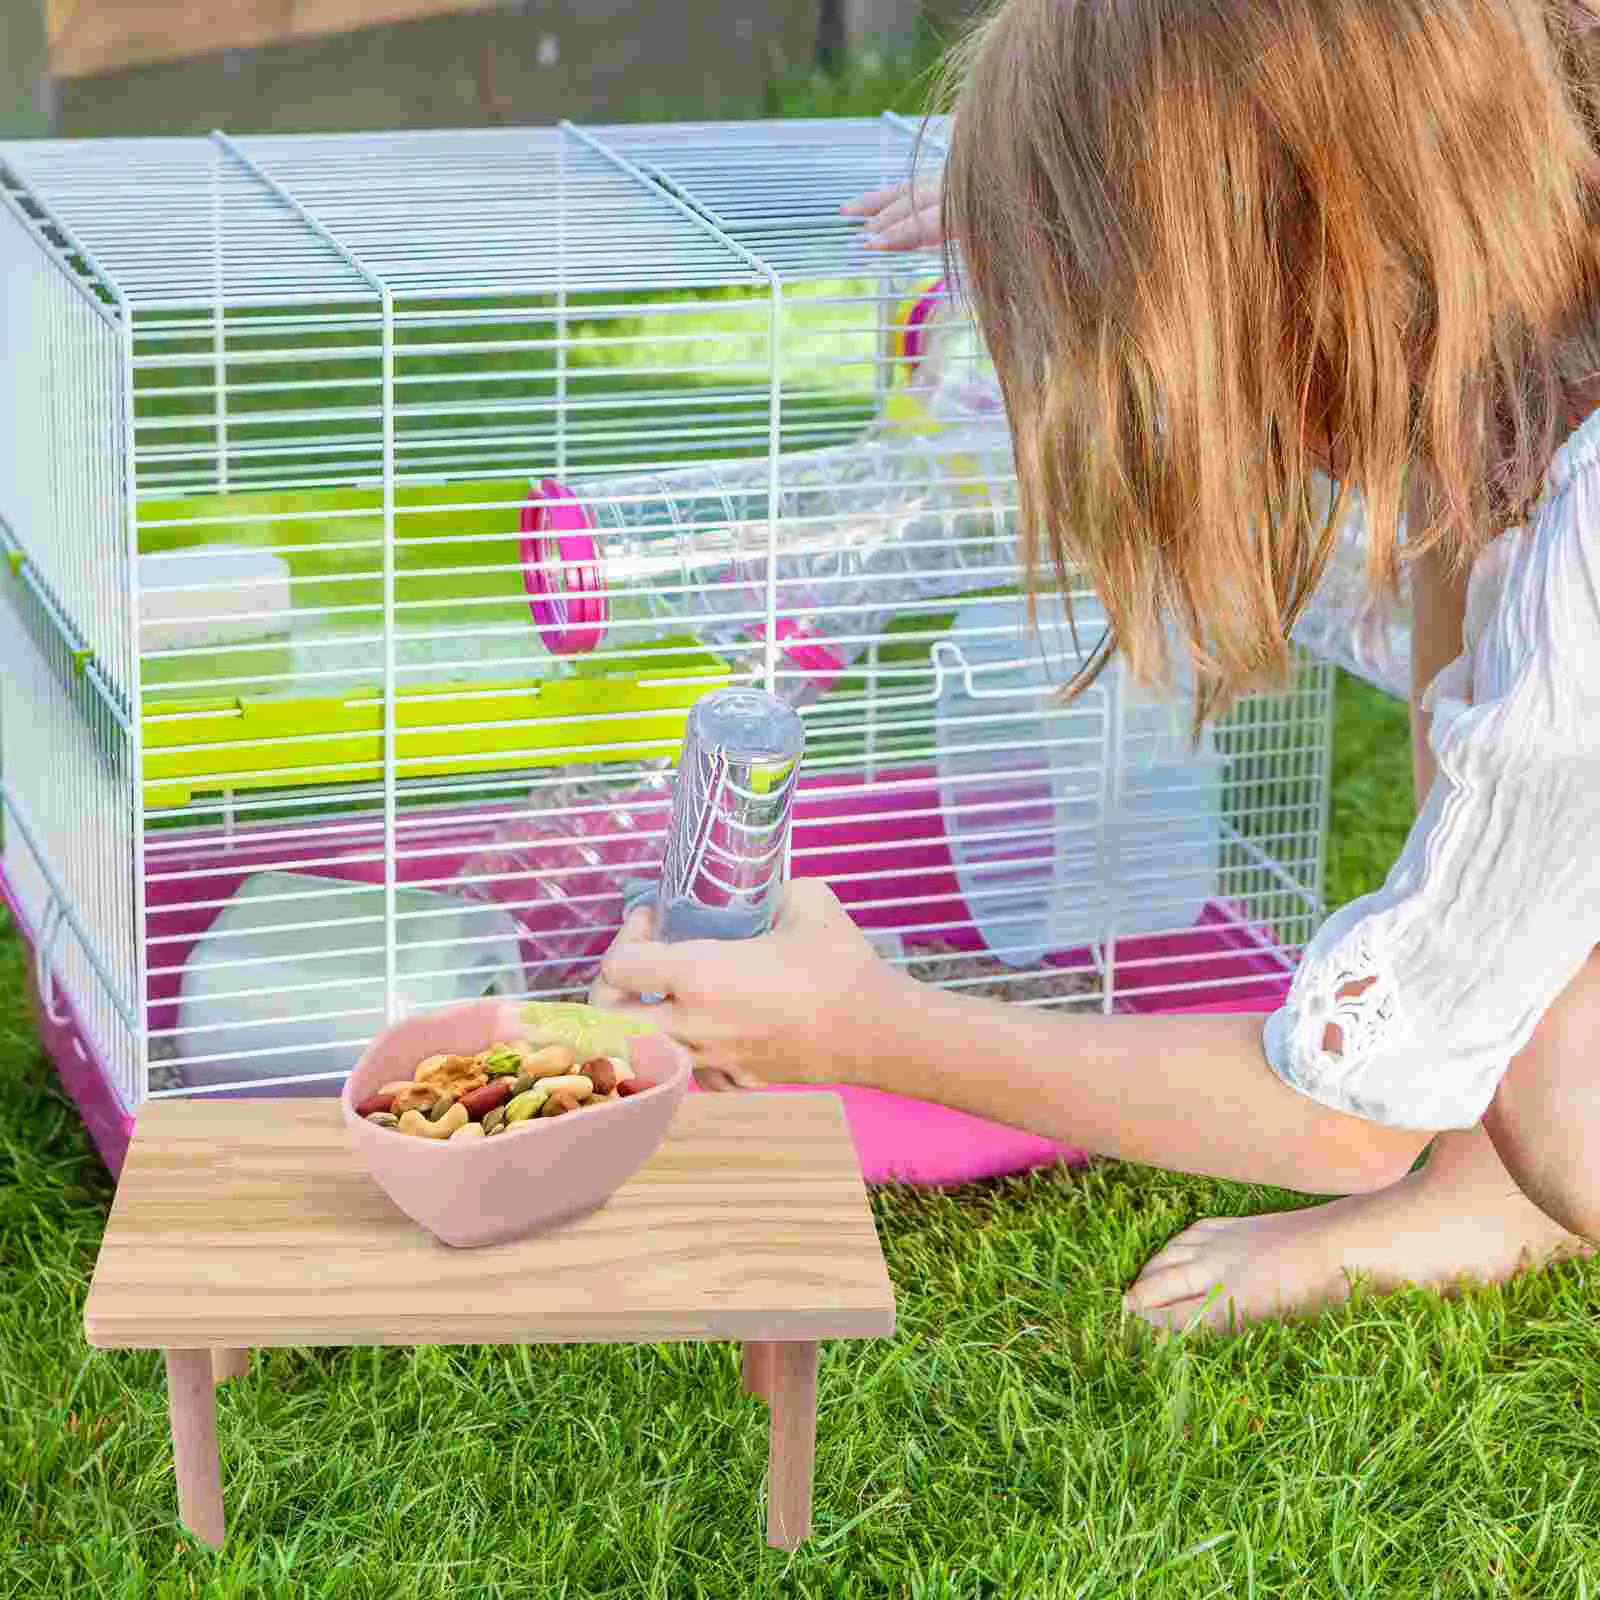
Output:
x,y
863,532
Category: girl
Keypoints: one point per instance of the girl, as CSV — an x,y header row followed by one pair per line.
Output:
x,y
1215,246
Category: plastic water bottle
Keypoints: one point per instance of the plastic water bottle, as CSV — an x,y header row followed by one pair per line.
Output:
x,y
732,809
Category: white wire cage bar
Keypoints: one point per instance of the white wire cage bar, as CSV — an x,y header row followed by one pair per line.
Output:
x,y
381,503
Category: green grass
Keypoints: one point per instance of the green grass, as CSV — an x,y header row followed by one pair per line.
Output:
x,y
1015,1439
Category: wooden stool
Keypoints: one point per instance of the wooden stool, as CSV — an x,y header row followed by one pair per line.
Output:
x,y
253,1223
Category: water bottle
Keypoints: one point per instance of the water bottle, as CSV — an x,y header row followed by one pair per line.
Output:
x,y
727,845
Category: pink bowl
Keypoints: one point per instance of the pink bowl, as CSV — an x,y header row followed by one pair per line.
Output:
x,y
488,1191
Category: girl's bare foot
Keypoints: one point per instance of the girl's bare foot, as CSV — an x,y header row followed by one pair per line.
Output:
x,y
1462,1217
1459,1218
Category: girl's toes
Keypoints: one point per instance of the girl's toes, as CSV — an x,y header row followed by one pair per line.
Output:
x,y
1162,1285
1176,1317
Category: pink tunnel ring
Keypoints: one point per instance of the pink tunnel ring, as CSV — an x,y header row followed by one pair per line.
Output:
x,y
562,571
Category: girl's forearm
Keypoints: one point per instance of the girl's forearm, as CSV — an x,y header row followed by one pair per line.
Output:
x,y
1188,1092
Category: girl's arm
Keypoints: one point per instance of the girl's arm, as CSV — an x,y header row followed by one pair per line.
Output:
x,y
811,1002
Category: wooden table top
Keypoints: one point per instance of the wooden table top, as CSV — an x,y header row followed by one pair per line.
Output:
x,y
254,1222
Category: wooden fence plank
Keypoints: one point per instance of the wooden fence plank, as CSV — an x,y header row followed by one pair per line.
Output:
x,y
90,37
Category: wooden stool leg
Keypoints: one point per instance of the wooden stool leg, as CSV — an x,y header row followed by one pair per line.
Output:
x,y
192,1400
758,1368
792,1441
227,1364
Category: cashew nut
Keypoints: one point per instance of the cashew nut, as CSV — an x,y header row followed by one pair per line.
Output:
x,y
469,1130
553,1061
414,1122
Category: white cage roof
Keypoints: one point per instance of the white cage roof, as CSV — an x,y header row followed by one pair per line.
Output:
x,y
168,224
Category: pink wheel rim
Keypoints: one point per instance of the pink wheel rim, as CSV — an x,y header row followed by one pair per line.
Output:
x,y
562,572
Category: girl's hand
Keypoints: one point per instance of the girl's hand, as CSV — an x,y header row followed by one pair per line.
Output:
x,y
901,218
797,1005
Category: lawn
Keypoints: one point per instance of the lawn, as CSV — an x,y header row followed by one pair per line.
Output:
x,y
1015,1438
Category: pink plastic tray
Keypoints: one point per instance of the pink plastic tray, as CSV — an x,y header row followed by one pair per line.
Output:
x,y
841,832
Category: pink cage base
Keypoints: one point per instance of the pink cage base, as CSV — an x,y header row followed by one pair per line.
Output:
x,y
1221,964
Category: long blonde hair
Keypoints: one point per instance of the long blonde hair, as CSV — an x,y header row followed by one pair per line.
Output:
x,y
1206,238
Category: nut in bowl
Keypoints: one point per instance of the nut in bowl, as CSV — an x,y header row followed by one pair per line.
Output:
x,y
490,1121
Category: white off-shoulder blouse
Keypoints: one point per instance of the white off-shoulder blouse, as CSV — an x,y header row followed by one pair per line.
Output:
x,y
1410,1003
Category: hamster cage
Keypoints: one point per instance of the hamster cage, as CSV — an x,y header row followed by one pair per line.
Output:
x,y
376,507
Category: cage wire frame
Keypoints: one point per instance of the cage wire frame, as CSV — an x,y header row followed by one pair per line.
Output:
x,y
302,350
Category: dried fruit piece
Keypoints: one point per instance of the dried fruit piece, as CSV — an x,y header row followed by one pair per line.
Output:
x,y
454,1075
632,1086
482,1101
601,1073
412,1097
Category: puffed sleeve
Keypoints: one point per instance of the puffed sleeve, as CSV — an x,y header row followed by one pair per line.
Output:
x,y
1410,1003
